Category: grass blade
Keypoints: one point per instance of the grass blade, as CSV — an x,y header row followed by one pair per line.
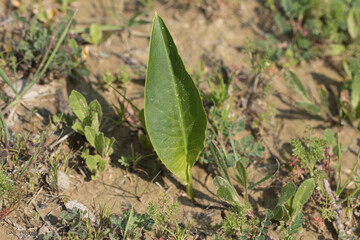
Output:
x,y
7,80
267,177
4,128
32,159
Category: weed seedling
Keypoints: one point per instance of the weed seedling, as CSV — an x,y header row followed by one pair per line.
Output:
x,y
164,213
88,124
7,188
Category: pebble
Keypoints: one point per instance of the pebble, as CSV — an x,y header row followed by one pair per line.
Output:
x,y
42,232
63,181
74,203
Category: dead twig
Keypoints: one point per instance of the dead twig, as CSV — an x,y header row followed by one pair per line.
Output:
x,y
37,194
337,208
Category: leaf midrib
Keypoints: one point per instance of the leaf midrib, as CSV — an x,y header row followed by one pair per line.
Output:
x,y
175,90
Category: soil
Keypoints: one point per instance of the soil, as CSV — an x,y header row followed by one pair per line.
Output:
x,y
208,32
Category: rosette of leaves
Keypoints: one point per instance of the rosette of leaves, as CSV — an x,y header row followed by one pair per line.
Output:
x,y
87,124
291,201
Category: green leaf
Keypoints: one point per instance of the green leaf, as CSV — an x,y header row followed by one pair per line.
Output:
x,y
95,107
7,80
247,143
90,135
100,144
4,130
219,160
109,142
95,124
174,115
310,108
91,161
95,33
78,105
302,195
286,193
355,91
258,150
296,223
329,137
278,212
78,127
145,142
353,22
142,118
296,84
242,173
239,165
225,190
266,177
335,49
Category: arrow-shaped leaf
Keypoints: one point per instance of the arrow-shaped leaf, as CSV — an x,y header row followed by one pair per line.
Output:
x,y
174,115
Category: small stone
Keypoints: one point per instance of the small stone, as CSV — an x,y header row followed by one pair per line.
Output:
x,y
42,232
88,214
63,181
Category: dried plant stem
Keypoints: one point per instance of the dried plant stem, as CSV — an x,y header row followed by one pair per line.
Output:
x,y
337,208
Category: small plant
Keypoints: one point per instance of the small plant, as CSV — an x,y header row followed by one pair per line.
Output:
x,y
311,29
38,43
88,123
241,223
108,79
226,190
265,223
7,188
97,34
132,224
291,201
164,213
308,103
122,76
129,225
237,222
346,103
307,155
47,59
293,228
174,115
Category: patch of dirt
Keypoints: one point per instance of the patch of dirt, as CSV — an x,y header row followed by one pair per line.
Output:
x,y
211,34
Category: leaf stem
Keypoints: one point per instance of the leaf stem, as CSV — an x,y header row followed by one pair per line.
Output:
x,y
189,188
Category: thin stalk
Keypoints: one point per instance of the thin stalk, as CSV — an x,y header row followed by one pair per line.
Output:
x,y
47,50
41,74
32,159
5,128
339,175
15,75
106,28
348,197
125,98
189,188
338,192
148,185
7,80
